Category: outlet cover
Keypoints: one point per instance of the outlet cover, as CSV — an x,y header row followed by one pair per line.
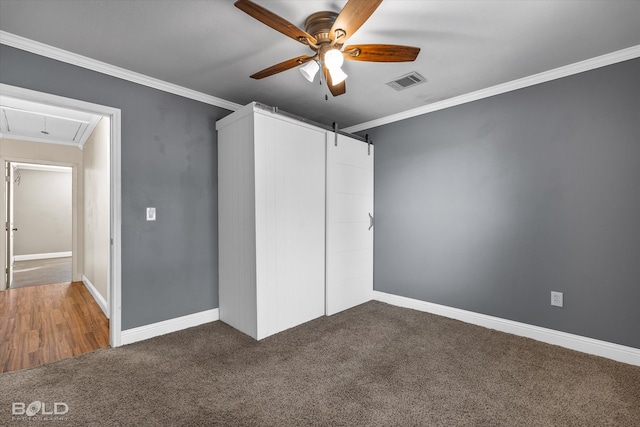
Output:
x,y
556,299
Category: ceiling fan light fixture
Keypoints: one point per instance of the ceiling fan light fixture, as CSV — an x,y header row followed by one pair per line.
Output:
x,y
337,75
309,70
326,33
333,59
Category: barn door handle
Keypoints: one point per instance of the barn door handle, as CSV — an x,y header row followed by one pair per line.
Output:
x,y
370,221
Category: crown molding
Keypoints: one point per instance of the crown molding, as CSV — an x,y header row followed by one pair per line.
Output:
x,y
557,73
62,55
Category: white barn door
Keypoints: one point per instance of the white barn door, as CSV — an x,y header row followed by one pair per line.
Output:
x,y
349,233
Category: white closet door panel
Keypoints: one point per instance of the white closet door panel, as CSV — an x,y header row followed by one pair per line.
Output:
x,y
290,222
349,259
351,236
353,264
236,226
354,177
350,208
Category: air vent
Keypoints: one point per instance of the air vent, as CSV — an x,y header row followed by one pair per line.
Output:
x,y
407,81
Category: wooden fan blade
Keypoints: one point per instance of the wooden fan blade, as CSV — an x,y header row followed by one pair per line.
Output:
x,y
283,66
381,53
274,21
335,90
352,16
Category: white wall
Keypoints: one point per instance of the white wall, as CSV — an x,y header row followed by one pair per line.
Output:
x,y
96,207
42,211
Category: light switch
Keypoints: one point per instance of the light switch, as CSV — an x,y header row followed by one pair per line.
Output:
x,y
151,214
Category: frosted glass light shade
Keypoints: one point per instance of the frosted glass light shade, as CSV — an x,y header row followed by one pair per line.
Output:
x,y
337,75
309,70
333,59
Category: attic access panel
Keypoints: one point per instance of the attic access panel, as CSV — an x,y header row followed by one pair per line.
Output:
x,y
26,120
27,123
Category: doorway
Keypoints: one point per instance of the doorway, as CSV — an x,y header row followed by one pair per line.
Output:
x,y
39,228
112,208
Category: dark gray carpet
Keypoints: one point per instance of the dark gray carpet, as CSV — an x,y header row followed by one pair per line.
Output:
x,y
373,365
41,272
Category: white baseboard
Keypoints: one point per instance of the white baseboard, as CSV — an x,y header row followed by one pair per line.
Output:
x,y
30,257
96,295
606,349
167,326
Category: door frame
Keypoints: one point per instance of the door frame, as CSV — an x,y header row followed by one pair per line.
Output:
x,y
8,211
115,262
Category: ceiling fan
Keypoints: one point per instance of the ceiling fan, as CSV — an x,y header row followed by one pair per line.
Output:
x,y
325,33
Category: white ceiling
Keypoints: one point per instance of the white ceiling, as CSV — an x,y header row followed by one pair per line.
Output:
x,y
212,47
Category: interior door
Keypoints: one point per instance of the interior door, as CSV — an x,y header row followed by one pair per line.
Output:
x,y
349,232
9,222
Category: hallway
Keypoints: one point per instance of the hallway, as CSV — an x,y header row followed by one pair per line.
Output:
x,y
42,324
41,272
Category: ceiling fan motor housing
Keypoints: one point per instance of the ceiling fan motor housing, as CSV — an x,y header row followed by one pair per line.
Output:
x,y
319,25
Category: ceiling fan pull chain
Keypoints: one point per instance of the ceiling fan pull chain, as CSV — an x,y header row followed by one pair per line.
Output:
x,y
326,95
335,132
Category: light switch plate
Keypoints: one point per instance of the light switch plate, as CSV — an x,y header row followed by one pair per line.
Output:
x,y
151,214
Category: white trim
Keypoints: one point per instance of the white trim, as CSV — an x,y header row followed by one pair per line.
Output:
x,y
42,167
114,292
30,257
574,342
65,56
142,333
91,126
557,73
37,139
96,295
42,49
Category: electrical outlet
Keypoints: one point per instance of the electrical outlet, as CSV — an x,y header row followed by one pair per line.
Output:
x,y
556,299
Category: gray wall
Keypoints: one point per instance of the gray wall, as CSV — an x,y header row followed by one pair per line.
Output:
x,y
490,205
169,267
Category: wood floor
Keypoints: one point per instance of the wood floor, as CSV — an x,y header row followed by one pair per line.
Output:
x,y
41,324
41,272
